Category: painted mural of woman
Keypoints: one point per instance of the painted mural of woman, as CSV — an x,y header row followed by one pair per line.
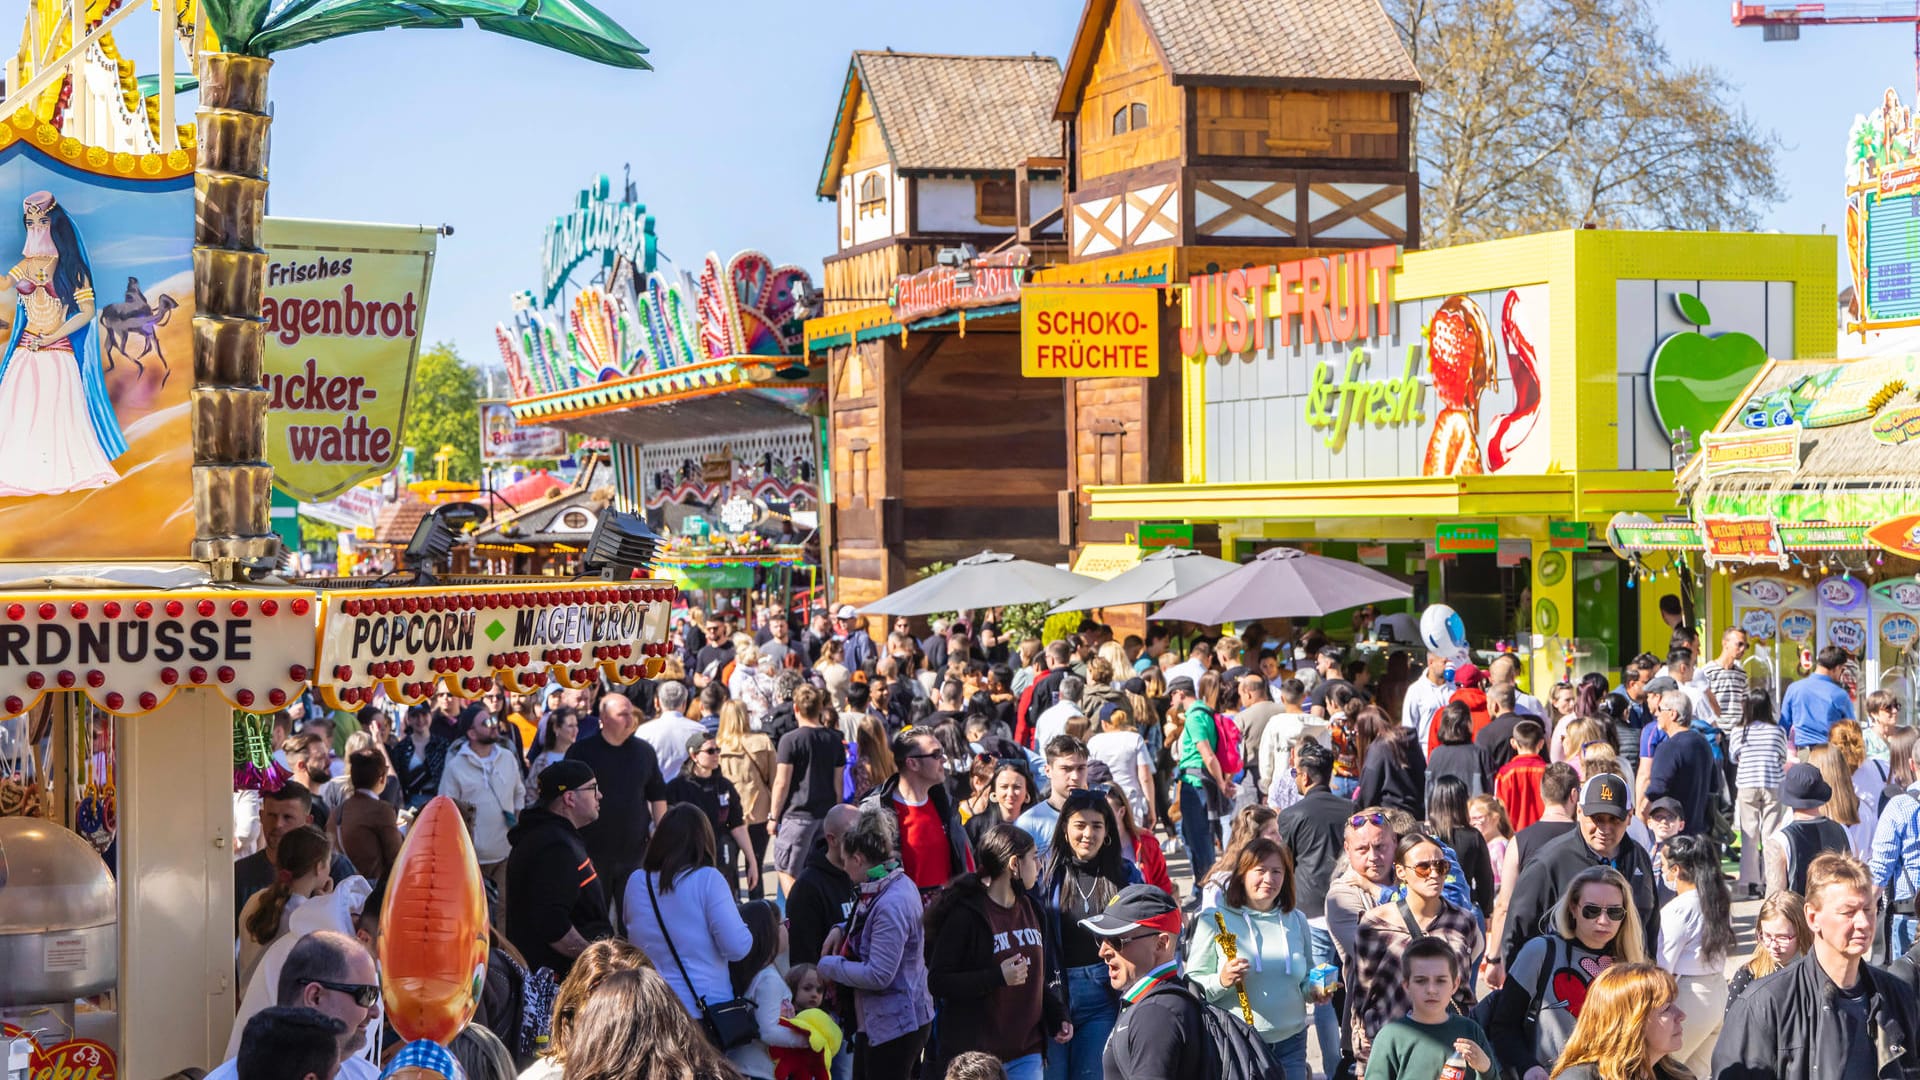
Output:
x,y
58,432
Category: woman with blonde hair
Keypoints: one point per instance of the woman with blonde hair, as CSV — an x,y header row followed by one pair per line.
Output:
x,y
1868,779
746,760
1593,926
875,765
633,1027
832,669
1781,935
1843,806
751,683
1631,1024
1581,734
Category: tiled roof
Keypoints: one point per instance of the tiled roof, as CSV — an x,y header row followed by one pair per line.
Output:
x,y
398,520
1307,40
966,113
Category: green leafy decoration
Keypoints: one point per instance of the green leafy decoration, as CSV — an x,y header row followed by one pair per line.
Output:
x,y
1692,309
258,28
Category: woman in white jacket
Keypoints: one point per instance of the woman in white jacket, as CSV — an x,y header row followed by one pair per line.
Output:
x,y
680,910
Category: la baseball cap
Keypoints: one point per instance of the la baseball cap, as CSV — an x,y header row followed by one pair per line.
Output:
x,y
1136,907
1604,794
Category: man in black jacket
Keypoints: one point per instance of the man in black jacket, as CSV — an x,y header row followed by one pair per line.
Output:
x,y
1600,840
556,902
1315,830
1161,1033
822,895
1829,1013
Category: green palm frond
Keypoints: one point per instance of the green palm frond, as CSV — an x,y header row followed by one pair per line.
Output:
x,y
262,28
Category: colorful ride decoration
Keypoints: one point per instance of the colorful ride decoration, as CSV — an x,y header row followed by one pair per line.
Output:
x,y
638,321
433,929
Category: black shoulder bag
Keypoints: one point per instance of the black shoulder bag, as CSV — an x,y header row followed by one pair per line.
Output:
x,y
728,1024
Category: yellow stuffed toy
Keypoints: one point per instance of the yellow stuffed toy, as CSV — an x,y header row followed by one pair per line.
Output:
x,y
811,1062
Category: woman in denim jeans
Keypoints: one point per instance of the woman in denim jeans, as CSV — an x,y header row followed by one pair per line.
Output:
x,y
1085,868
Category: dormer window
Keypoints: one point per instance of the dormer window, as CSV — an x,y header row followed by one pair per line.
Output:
x,y
873,194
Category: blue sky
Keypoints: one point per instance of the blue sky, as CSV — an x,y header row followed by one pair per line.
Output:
x,y
726,137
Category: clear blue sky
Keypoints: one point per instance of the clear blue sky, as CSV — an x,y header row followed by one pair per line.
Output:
x,y
726,136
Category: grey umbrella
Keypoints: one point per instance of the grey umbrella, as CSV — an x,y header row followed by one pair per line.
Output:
x,y
1163,575
1282,582
989,579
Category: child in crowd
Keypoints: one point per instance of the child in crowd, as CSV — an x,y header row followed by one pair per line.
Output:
x,y
1518,784
974,1065
1418,1045
808,989
1487,814
755,977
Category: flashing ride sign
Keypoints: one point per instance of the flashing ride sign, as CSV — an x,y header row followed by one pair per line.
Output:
x,y
413,639
1080,332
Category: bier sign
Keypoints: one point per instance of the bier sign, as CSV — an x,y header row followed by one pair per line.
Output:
x,y
128,652
412,640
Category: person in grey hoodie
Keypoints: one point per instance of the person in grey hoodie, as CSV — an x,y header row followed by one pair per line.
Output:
x,y
880,953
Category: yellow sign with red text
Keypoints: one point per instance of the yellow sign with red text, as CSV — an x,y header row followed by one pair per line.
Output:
x,y
344,307
1077,332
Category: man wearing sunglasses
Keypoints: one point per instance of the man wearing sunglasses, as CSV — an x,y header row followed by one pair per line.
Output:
x,y
1600,840
933,845
333,974
1161,1033
556,900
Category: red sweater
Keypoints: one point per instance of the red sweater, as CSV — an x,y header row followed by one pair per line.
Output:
x,y
1518,789
1152,862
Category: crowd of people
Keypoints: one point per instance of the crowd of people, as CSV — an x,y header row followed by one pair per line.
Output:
x,y
813,852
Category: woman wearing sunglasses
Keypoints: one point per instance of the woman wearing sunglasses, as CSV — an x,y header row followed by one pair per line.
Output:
x,y
1085,869
1594,926
1379,995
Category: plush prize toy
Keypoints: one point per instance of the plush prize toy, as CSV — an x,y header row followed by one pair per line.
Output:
x,y
433,929
810,1062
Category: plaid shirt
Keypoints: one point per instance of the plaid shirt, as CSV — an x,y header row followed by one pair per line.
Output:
x,y
1379,995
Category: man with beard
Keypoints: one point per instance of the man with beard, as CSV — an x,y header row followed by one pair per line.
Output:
x,y
335,975
484,776
281,812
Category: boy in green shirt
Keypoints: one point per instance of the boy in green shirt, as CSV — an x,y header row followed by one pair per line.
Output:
x,y
1196,763
1417,1046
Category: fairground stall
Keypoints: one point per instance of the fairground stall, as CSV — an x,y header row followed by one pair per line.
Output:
x,y
145,633
713,410
1470,419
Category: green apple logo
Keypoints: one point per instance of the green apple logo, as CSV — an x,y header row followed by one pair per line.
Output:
x,y
1694,379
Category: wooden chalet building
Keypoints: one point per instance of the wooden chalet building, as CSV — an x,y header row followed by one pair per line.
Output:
x,y
1211,134
939,448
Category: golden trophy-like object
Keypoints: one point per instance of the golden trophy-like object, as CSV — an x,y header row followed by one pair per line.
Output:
x,y
1230,948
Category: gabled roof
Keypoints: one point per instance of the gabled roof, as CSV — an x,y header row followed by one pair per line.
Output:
x,y
949,113
1270,42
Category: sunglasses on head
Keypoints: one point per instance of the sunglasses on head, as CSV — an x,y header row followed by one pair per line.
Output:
x,y
1594,911
1095,794
1361,821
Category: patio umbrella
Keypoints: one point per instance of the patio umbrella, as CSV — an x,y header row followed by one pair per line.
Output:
x,y
989,579
1282,582
1163,575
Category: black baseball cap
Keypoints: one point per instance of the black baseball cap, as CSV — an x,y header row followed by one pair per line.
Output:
x,y
563,776
1181,684
1604,793
1136,907
1804,788
1669,804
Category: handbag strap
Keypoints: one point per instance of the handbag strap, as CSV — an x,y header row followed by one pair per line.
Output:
x,y
1406,913
691,989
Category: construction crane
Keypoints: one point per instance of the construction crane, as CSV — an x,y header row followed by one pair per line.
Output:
x,y
1782,22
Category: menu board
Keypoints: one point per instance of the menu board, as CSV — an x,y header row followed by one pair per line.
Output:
x,y
1893,256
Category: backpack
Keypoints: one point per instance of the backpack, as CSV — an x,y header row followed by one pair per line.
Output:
x,y
1234,1052
1228,749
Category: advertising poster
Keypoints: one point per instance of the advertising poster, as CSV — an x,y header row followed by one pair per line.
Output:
x,y
1777,614
502,440
1844,616
344,307
98,350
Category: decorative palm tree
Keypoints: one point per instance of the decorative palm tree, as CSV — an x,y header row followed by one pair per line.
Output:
x,y
232,484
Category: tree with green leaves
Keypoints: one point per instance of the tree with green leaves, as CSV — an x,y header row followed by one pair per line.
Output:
x,y
1553,114
443,409
231,477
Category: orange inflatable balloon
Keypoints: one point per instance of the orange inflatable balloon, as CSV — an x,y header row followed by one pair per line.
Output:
x,y
433,929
